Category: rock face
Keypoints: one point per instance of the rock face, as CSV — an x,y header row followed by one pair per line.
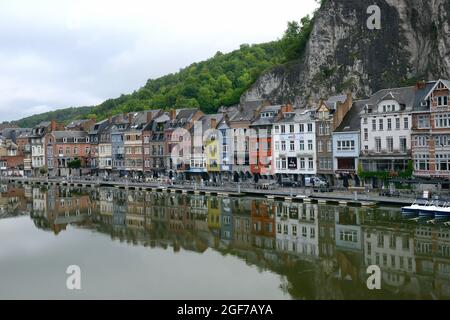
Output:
x,y
344,54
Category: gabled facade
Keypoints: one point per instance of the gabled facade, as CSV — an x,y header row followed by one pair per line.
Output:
x,y
94,139
105,164
431,130
38,158
260,153
329,115
346,146
239,134
183,119
154,145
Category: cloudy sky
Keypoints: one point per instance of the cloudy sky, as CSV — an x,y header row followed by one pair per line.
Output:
x,y
63,53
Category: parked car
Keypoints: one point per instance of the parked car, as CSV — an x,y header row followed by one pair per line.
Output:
x,y
315,182
289,183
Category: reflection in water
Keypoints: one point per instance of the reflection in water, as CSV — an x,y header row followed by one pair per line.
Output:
x,y
320,251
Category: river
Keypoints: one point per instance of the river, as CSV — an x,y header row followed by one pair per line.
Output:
x,y
148,245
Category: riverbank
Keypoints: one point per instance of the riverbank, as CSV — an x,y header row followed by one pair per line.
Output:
x,y
356,198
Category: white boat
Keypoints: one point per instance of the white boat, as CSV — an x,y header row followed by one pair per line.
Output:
x,y
414,209
428,208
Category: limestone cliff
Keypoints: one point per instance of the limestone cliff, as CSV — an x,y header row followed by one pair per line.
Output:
x,y
344,54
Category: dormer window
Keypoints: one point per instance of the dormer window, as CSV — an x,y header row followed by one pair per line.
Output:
x,y
442,101
65,140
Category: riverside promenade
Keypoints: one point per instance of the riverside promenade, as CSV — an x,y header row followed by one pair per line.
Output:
x,y
309,195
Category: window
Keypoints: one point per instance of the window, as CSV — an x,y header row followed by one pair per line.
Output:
x,y
327,129
442,101
320,146
390,144
380,124
291,128
389,124
277,146
403,146
421,141
423,122
321,129
283,145
366,134
378,145
292,146
311,164
329,146
442,162
310,145
283,129
302,127
442,120
405,123
374,125
310,127
422,162
277,129
347,145
365,121
397,123
283,163
302,145
302,163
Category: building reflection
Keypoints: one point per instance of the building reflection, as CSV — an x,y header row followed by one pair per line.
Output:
x,y
322,251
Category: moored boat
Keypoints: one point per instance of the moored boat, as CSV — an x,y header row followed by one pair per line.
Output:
x,y
428,208
414,209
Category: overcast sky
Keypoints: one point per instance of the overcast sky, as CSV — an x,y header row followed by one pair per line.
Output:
x,y
62,53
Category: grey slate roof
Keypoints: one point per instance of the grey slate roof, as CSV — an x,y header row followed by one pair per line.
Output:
x,y
69,134
260,121
352,120
244,113
404,96
333,100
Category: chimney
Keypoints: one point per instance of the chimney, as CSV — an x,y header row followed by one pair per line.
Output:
x,y
213,123
421,85
173,114
149,116
53,125
287,108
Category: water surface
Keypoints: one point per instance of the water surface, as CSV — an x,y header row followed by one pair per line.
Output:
x,y
143,245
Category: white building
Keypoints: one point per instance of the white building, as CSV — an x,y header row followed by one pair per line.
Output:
x,y
392,249
386,123
294,145
297,230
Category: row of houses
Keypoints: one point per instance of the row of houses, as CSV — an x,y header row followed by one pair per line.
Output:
x,y
397,132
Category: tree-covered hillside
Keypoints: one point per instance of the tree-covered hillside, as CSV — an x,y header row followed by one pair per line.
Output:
x,y
219,81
